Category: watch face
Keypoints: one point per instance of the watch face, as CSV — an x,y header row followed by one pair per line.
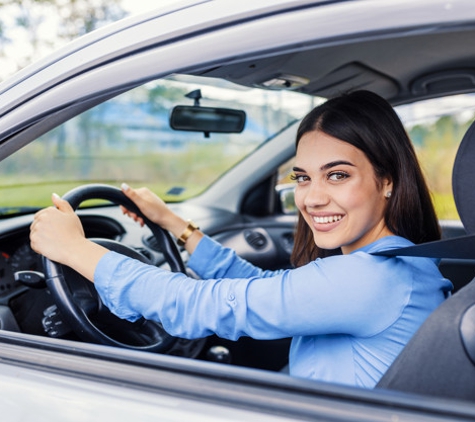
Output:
x,y
190,228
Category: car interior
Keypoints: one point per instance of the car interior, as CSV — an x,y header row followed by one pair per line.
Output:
x,y
250,212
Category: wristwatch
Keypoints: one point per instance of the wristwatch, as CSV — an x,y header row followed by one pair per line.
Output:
x,y
190,228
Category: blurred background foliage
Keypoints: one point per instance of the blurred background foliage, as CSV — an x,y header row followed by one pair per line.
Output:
x,y
36,27
436,147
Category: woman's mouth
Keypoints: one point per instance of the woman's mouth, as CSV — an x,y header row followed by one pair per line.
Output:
x,y
327,219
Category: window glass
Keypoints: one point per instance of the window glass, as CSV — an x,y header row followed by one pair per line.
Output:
x,y
129,139
436,127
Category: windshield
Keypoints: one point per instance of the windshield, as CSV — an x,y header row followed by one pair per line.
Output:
x,y
129,139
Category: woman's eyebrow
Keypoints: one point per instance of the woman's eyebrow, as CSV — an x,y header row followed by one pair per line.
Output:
x,y
336,163
326,166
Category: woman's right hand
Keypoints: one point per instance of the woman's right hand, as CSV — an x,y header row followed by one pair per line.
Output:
x,y
157,211
152,207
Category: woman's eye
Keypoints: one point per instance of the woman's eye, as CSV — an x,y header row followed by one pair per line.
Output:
x,y
299,178
337,176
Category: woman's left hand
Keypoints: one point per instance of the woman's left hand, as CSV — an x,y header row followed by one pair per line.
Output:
x,y
56,231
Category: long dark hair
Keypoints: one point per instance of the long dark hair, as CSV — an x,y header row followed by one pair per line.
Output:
x,y
368,122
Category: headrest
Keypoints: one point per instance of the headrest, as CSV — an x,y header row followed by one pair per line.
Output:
x,y
463,180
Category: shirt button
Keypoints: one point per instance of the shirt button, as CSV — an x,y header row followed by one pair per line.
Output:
x,y
231,297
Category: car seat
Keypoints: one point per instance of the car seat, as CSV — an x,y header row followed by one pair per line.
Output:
x,y
440,358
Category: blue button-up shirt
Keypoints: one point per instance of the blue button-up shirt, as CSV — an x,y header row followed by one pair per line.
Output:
x,y
349,315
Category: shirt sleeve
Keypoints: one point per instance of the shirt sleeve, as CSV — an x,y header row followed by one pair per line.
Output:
x,y
324,297
211,260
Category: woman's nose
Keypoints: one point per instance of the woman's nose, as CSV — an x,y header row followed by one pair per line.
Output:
x,y
316,195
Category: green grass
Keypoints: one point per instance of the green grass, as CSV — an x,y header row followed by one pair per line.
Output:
x,y
39,195
444,205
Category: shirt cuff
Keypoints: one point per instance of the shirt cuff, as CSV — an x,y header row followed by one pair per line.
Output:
x,y
204,253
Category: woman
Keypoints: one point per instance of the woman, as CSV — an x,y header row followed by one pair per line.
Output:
x,y
359,190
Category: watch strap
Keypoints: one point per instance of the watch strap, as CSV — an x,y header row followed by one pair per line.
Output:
x,y
190,228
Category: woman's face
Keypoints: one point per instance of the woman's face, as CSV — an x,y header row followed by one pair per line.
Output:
x,y
337,193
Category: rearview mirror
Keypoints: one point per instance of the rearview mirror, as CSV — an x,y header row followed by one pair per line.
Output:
x,y
207,119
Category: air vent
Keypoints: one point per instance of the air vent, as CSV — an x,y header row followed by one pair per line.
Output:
x,y
256,239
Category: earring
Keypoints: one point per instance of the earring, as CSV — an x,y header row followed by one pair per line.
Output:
x,y
388,194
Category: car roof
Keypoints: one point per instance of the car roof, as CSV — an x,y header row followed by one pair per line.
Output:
x,y
426,53
399,44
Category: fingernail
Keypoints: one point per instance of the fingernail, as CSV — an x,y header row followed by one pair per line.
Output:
x,y
56,195
124,186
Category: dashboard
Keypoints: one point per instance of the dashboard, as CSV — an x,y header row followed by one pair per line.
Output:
x,y
16,253
20,259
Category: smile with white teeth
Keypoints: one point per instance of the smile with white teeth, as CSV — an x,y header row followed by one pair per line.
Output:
x,y
327,219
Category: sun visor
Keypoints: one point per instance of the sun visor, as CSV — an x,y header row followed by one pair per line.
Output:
x,y
350,77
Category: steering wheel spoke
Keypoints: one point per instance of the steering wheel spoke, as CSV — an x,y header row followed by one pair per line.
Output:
x,y
88,305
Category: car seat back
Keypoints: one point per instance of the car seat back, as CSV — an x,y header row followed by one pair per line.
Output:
x,y
440,358
437,360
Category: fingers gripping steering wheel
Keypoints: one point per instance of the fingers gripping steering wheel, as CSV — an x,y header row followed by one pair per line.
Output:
x,y
78,301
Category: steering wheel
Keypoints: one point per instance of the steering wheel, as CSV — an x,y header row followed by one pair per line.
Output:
x,y
78,301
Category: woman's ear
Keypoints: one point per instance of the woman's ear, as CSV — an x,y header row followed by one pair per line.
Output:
x,y
387,188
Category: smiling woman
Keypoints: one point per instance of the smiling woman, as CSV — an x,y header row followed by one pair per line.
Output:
x,y
348,195
339,196
394,196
